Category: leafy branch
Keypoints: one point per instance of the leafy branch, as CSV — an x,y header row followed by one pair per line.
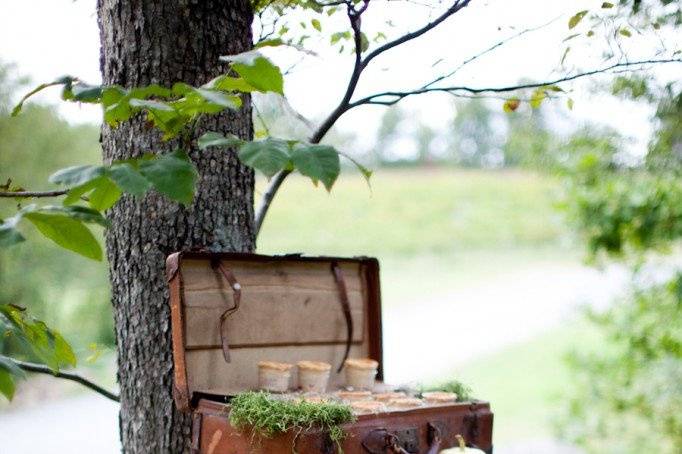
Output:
x,y
39,341
41,369
354,14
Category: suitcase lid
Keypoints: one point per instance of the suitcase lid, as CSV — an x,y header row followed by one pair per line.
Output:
x,y
289,308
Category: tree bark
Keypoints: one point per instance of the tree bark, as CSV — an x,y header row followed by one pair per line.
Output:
x,y
163,42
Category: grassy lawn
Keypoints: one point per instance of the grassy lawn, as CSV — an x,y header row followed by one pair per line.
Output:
x,y
527,383
414,212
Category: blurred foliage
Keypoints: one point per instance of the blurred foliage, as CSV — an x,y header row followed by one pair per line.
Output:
x,y
65,290
475,140
627,398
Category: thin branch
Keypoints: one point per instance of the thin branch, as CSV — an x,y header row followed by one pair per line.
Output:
x,y
354,16
456,6
41,369
395,96
487,51
32,194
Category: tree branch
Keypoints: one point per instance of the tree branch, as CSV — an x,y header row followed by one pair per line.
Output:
x,y
41,369
354,16
32,194
487,51
456,6
396,96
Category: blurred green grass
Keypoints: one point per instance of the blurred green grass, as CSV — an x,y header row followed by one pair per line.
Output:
x,y
414,212
527,383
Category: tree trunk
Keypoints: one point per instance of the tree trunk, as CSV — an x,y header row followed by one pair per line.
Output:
x,y
163,42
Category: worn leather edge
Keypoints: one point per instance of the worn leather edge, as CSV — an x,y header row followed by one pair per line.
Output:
x,y
370,268
180,384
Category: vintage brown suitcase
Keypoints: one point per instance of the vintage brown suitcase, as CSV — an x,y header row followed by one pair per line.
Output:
x,y
230,311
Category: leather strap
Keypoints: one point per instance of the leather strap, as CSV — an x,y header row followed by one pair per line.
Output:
x,y
236,297
345,305
435,439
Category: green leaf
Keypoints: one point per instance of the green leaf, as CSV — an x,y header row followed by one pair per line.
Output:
x,y
9,235
338,36
269,43
269,155
569,103
607,5
316,25
10,366
257,71
625,32
215,139
7,386
67,232
82,93
150,104
366,173
510,105
118,112
74,195
364,42
575,20
105,195
77,175
62,350
80,213
173,175
220,98
148,91
228,83
319,162
537,97
128,178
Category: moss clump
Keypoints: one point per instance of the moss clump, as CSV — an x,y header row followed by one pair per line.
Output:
x,y
453,386
267,416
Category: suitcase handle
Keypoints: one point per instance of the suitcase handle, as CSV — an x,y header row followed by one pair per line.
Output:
x,y
236,299
345,305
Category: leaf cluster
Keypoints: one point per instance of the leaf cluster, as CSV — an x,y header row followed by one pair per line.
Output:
x,y
272,155
173,111
266,416
36,339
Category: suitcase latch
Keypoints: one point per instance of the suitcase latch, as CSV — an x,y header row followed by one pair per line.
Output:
x,y
400,441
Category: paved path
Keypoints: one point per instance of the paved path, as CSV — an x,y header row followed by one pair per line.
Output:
x,y
425,339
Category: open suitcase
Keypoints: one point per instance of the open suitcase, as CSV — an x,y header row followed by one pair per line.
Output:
x,y
229,311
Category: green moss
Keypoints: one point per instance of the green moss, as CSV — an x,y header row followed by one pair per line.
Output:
x,y
453,386
267,416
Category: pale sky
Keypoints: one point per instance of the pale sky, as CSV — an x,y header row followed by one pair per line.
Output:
x,y
49,38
